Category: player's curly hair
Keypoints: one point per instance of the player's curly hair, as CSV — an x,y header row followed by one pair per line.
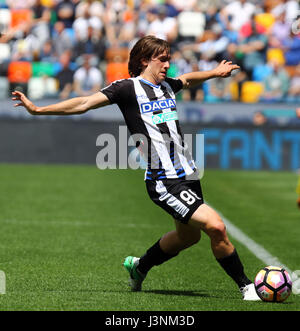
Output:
x,y
145,49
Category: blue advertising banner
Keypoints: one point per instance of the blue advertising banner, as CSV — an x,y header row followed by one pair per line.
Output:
x,y
251,148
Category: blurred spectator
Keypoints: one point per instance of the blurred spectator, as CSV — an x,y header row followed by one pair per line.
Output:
x,y
61,39
20,4
94,7
191,25
289,8
47,52
251,52
237,13
82,23
214,90
183,63
184,5
172,11
264,20
41,20
214,46
259,119
250,28
212,17
280,31
65,76
239,78
26,44
163,27
217,89
93,44
119,23
294,90
117,64
65,12
19,74
128,30
87,79
276,85
145,17
291,47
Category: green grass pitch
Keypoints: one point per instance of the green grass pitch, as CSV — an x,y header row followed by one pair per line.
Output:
x,y
65,231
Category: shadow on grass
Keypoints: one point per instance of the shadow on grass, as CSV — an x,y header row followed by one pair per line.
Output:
x,y
189,293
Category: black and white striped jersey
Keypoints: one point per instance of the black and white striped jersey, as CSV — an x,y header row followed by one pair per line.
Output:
x,y
150,114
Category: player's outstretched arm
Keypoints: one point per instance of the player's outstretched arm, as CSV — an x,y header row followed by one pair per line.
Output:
x,y
298,112
224,69
72,106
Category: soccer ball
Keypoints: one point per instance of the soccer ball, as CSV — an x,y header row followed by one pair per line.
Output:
x,y
273,284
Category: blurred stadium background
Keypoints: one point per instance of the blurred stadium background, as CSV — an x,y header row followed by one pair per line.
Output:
x,y
53,50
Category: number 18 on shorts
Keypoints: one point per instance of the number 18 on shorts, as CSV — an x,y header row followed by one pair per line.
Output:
x,y
179,198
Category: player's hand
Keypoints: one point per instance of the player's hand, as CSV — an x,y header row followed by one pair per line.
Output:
x,y
24,102
225,68
298,112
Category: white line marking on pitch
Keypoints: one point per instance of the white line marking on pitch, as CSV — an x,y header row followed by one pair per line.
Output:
x,y
258,250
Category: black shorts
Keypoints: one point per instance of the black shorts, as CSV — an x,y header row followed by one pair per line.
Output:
x,y
180,198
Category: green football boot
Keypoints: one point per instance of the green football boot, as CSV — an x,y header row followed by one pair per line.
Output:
x,y
136,277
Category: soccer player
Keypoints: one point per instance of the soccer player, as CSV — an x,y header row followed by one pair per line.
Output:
x,y
147,101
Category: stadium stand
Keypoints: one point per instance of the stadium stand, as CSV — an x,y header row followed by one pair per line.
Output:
x,y
4,87
19,16
38,32
4,52
5,18
18,75
41,87
117,67
251,91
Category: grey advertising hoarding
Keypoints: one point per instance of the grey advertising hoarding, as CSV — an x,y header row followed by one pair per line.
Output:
x,y
226,146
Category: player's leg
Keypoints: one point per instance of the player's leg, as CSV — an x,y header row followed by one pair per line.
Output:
x,y
182,237
163,250
169,246
167,195
208,220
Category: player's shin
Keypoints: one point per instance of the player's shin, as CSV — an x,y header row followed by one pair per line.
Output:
x,y
153,257
234,268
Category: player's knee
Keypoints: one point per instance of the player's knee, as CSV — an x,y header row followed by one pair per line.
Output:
x,y
217,230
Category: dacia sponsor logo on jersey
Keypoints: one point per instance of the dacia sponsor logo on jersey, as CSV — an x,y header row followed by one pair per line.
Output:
x,y
157,105
164,117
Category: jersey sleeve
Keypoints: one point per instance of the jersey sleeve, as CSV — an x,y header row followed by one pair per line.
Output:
x,y
175,83
118,91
